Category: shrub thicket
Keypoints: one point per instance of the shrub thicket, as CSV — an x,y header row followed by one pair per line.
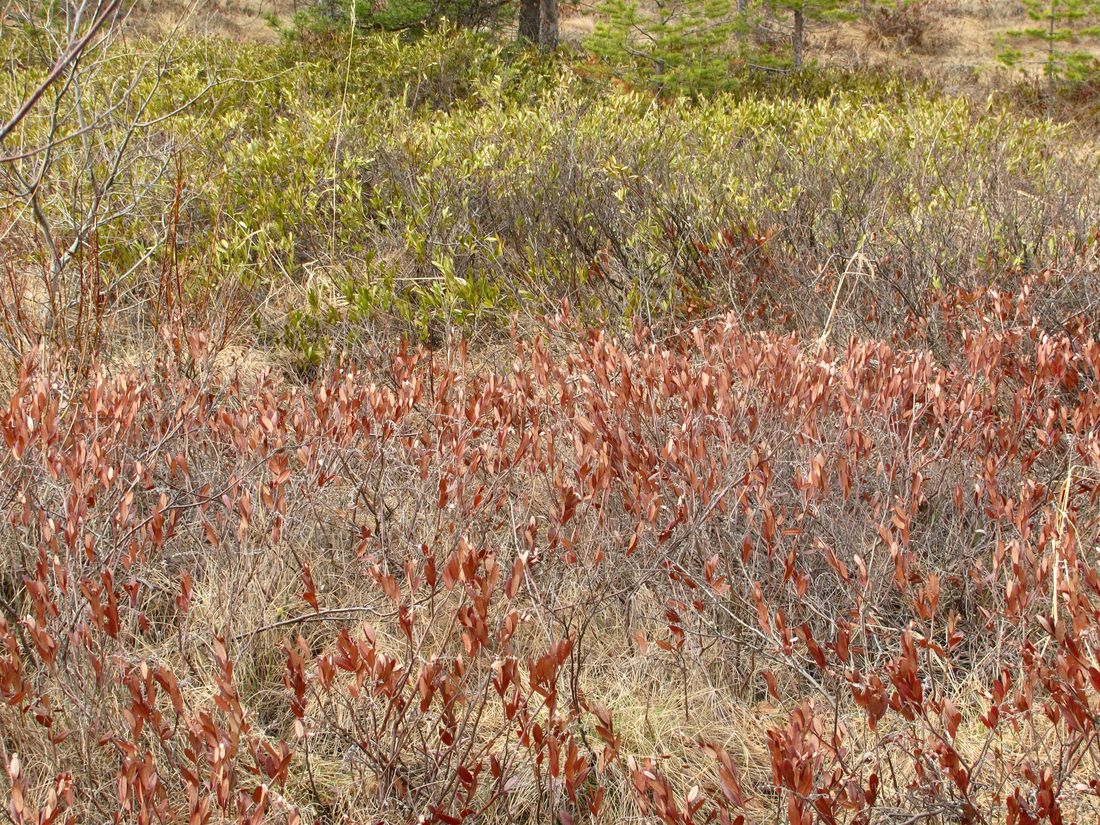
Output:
x,y
749,468
442,180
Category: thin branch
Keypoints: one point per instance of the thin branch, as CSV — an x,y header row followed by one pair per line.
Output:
x,y
59,67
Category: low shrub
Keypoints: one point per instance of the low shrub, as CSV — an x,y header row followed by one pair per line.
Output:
x,y
426,432
445,181
715,574
908,25
320,19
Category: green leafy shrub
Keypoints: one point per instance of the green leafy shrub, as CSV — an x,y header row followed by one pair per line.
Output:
x,y
678,46
1062,26
446,181
327,16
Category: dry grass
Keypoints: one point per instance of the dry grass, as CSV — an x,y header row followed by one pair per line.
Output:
x,y
243,20
962,42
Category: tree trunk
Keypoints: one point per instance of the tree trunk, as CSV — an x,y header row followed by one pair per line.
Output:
x,y
797,37
529,21
548,27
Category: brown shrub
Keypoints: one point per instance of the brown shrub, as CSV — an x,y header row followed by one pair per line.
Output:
x,y
910,25
709,576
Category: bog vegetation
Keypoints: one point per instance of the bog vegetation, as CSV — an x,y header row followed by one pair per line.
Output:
x,y
401,424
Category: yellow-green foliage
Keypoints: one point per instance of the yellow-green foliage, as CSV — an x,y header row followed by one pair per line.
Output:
x,y
446,179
